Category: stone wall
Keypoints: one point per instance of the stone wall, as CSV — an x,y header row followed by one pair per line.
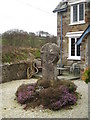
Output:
x,y
89,49
85,53
69,28
15,71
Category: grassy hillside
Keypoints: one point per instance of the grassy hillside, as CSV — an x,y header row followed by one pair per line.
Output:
x,y
15,54
19,45
0,40
32,41
38,42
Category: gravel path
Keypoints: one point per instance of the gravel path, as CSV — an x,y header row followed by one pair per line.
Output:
x,y
11,109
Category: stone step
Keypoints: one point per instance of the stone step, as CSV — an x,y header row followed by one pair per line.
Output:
x,y
68,77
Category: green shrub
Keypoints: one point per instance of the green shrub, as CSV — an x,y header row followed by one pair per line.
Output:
x,y
37,53
86,75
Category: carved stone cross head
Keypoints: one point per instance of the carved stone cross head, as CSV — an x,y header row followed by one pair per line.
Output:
x,y
49,57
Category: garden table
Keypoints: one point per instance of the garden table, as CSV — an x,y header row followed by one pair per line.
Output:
x,y
60,69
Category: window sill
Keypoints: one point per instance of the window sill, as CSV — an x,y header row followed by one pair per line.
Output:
x,y
74,58
77,23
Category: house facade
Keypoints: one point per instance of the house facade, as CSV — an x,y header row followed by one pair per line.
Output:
x,y
84,40
73,17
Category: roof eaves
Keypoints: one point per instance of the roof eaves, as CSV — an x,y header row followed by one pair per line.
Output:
x,y
60,10
61,7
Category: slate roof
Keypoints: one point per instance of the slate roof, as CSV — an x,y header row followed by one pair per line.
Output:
x,y
87,31
61,7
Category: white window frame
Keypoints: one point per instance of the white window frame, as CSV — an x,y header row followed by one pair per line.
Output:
x,y
73,35
71,15
69,55
71,2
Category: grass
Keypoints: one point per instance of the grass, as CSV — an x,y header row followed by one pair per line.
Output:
x,y
0,41
37,42
12,57
14,54
16,50
32,41
37,53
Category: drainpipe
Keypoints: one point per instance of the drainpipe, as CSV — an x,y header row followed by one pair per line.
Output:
x,y
61,42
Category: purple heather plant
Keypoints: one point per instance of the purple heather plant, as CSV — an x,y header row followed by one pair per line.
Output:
x,y
53,97
26,93
71,99
24,96
66,99
64,89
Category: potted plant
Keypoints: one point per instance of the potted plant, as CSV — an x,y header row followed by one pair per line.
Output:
x,y
86,75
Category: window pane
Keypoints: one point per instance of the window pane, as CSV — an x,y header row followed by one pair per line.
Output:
x,y
78,49
72,46
81,11
74,13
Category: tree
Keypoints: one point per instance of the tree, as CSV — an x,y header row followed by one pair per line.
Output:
x,y
15,37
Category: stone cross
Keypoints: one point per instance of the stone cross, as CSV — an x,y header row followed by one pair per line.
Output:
x,y
49,57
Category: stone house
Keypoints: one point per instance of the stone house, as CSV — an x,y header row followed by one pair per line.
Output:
x,y
72,20
84,40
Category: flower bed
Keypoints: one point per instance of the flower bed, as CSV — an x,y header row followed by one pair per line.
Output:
x,y
53,95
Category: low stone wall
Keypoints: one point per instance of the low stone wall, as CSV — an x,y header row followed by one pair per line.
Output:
x,y
14,71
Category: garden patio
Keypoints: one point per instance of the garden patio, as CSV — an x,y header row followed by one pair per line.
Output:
x,y
12,109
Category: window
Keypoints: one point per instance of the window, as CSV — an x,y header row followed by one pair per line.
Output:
x,y
74,13
78,49
77,13
74,49
81,12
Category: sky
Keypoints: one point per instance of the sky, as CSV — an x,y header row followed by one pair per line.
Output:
x,y
28,15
